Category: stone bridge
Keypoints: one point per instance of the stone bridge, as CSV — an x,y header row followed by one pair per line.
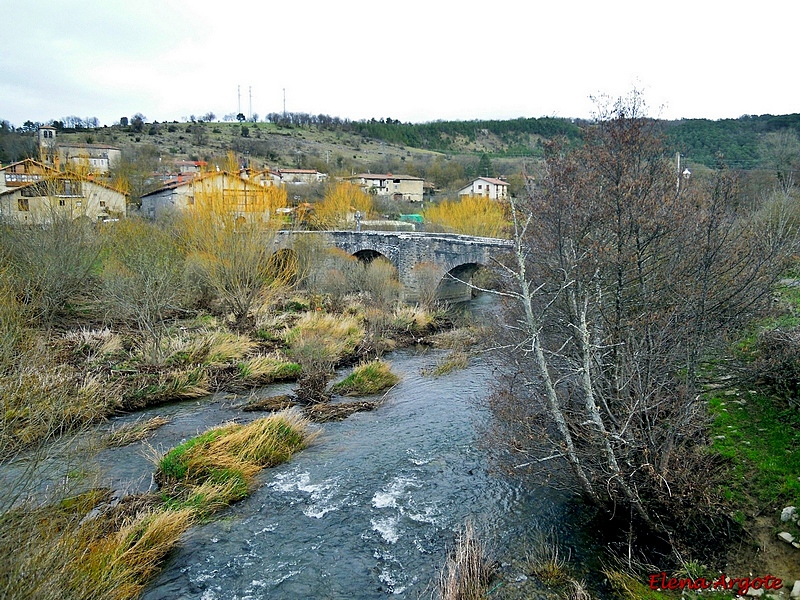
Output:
x,y
422,259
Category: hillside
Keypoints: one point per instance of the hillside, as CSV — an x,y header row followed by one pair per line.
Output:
x,y
447,153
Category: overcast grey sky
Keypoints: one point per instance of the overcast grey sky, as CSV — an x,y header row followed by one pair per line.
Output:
x,y
418,60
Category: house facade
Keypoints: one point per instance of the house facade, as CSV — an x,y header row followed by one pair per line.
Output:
x,y
494,189
41,194
227,192
398,187
22,173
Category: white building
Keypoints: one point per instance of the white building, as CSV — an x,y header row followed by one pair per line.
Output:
x,y
495,189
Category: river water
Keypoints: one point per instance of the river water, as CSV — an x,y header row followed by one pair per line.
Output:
x,y
370,509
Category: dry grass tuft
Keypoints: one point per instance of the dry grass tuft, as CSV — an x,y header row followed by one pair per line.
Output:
x,y
182,384
454,361
95,343
467,571
266,369
324,337
132,432
41,399
79,547
413,319
211,348
461,338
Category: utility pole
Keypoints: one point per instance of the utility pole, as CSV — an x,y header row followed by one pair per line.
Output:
x,y
250,116
284,103
239,97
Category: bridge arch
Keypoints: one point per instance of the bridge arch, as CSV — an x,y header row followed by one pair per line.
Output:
x,y
422,260
367,255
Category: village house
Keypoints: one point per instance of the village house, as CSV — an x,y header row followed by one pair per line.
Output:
x,y
229,192
89,158
190,166
32,193
297,176
23,172
494,189
398,187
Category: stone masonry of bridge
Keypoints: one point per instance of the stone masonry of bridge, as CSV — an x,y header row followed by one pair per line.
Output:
x,y
419,258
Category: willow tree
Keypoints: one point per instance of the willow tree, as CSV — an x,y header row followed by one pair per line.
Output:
x,y
470,215
230,237
341,202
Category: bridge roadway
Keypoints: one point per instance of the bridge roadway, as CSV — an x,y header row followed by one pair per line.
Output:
x,y
421,259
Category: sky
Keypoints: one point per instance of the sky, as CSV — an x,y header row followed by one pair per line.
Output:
x,y
416,61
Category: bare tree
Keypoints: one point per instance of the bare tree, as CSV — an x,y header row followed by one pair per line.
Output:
x,y
143,280
619,283
49,261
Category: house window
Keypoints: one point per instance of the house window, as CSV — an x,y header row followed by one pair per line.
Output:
x,y
102,203
22,204
62,202
396,181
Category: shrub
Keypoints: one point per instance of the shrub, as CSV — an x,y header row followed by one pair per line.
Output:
x,y
778,361
471,215
379,280
142,280
49,262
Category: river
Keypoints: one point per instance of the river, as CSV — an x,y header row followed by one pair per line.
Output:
x,y
370,510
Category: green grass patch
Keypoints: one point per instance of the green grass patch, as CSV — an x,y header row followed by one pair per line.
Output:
x,y
367,379
266,369
215,468
760,436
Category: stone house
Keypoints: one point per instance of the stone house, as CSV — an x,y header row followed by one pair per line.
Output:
x,y
297,176
89,158
398,187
